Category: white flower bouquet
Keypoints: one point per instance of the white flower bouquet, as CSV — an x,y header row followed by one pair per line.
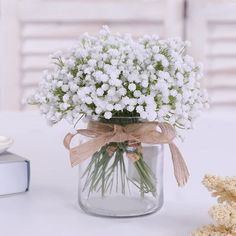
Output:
x,y
113,75
118,80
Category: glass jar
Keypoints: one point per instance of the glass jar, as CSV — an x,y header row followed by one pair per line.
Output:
x,y
122,179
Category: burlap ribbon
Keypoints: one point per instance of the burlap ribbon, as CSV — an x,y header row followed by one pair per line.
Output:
x,y
103,133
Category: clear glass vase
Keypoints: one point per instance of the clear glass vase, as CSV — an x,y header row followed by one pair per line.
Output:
x,y
122,179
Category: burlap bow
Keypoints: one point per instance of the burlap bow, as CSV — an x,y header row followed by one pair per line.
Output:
x,y
103,133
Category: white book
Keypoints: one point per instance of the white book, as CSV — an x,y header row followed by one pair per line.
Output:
x,y
14,174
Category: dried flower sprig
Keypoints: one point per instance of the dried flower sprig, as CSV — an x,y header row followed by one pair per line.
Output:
x,y
222,188
224,214
212,230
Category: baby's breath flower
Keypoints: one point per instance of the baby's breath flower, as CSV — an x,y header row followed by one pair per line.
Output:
x,y
108,115
112,73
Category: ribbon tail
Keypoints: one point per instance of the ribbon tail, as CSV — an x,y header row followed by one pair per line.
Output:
x,y
180,168
67,140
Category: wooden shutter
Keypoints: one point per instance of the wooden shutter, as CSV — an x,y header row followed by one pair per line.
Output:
x,y
9,56
212,30
34,29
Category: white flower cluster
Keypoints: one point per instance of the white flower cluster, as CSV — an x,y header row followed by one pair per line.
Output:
x,y
112,75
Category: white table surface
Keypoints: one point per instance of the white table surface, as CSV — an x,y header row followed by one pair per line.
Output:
x,y
50,207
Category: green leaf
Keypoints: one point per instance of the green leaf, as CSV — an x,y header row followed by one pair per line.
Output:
x,y
59,93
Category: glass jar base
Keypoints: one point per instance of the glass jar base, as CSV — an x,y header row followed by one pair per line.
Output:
x,y
120,206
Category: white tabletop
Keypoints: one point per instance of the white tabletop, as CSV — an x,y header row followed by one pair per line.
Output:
x,y
50,207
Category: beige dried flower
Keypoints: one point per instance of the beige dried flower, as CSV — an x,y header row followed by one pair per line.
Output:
x,y
224,214
212,230
222,188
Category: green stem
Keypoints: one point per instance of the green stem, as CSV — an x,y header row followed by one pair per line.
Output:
x,y
100,174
